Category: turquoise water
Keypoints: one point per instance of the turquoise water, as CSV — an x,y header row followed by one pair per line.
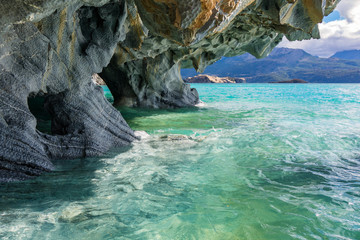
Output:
x,y
258,161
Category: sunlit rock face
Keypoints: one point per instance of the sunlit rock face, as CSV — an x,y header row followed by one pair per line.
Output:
x,y
49,49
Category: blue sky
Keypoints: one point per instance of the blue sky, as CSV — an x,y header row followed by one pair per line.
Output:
x,y
334,16
339,31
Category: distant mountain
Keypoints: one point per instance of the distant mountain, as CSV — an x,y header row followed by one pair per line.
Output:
x,y
349,54
284,64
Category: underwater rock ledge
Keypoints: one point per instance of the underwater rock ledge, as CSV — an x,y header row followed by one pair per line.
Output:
x,y
50,49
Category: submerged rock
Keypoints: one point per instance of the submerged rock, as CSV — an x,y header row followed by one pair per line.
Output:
x,y
73,214
51,49
174,137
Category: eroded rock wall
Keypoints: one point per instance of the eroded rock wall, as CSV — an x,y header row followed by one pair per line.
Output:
x,y
51,48
55,58
149,82
197,33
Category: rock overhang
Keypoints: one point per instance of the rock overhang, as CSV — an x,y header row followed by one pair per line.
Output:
x,y
53,47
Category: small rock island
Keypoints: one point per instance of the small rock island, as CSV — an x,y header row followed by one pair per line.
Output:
x,y
203,78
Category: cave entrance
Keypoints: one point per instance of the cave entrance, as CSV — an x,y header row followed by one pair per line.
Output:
x,y
43,118
100,82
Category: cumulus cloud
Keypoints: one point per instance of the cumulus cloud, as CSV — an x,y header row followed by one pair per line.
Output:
x,y
336,35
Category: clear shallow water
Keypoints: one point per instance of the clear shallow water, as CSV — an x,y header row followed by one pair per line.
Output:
x,y
260,161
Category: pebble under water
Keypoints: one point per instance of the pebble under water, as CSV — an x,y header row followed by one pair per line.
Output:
x,y
258,161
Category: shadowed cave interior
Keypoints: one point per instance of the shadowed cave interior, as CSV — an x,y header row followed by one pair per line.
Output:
x,y
43,117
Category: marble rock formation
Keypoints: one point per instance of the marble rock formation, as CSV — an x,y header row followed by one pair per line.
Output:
x,y
49,49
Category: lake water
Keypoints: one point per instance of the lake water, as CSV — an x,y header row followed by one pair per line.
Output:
x,y
258,161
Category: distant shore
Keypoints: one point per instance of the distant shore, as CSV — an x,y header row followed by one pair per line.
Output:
x,y
295,80
204,78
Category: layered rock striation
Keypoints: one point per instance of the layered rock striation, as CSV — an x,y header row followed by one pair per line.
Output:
x,y
50,49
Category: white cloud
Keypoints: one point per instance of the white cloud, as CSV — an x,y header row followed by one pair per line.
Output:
x,y
337,35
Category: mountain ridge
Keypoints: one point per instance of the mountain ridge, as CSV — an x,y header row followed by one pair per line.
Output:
x,y
347,54
284,64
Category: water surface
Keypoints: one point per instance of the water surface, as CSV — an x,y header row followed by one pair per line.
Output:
x,y
259,161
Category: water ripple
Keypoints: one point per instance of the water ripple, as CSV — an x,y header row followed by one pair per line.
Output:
x,y
257,162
